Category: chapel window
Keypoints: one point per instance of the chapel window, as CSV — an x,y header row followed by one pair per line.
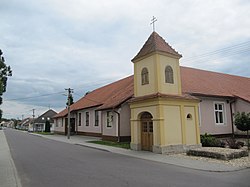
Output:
x,y
169,75
144,76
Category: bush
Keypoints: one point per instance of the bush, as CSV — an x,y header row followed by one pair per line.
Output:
x,y
233,144
208,140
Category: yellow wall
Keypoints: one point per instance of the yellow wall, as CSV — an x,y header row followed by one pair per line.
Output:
x,y
172,125
190,125
166,87
146,89
156,65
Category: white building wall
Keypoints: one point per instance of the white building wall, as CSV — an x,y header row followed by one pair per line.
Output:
x,y
207,116
91,128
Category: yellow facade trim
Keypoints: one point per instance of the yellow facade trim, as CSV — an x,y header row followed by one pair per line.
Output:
x,y
183,125
135,80
198,139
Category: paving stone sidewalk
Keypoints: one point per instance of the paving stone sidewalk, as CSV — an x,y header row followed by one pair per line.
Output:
x,y
8,173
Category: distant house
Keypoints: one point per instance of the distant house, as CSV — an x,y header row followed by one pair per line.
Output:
x,y
160,91
25,124
9,124
39,123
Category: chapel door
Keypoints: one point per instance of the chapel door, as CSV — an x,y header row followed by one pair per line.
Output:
x,y
146,132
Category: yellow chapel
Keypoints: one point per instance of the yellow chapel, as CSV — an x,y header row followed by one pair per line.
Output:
x,y
163,119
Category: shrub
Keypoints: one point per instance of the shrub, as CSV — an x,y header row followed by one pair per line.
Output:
x,y
208,140
233,144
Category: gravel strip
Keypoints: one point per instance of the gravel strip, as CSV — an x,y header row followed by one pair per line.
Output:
x,y
239,162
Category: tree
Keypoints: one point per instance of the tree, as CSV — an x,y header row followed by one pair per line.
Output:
x,y
5,72
47,126
242,122
71,100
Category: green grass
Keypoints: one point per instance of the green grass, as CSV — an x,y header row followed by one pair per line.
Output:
x,y
44,133
125,145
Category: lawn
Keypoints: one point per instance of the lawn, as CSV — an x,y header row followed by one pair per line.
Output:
x,y
125,145
44,133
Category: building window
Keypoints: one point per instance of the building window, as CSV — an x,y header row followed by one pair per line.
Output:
x,y
189,116
62,122
96,118
79,119
169,75
87,118
144,76
219,113
109,119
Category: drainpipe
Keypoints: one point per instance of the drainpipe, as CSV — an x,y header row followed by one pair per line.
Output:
x,y
231,114
119,124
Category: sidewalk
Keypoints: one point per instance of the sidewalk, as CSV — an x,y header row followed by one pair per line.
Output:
x,y
8,173
167,159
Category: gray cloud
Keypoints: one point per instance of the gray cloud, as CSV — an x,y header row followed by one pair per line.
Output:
x,y
54,44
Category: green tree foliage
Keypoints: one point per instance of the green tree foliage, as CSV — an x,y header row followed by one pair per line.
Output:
x,y
47,126
242,122
71,100
5,72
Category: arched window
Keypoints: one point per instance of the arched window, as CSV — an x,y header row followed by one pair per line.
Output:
x,y
144,76
169,75
189,116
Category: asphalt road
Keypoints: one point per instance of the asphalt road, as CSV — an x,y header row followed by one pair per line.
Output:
x,y
42,162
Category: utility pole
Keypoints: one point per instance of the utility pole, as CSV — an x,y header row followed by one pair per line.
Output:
x,y
33,110
69,95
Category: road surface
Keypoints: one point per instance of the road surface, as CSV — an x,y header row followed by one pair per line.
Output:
x,y
42,162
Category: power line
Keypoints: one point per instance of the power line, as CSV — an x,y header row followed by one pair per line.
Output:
x,y
49,94
219,57
227,51
32,97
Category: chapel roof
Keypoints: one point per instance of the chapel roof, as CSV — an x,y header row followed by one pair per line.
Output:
x,y
156,43
194,82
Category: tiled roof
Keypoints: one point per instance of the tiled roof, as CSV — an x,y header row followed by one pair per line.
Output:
x,y
108,96
156,43
201,82
194,81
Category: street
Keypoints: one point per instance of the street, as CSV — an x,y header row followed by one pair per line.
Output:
x,y
42,162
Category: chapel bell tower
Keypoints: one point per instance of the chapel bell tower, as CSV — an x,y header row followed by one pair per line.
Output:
x,y
156,68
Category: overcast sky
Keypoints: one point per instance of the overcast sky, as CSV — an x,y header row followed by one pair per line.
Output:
x,y
56,44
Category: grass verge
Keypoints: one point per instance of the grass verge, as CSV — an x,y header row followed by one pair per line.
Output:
x,y
125,145
44,133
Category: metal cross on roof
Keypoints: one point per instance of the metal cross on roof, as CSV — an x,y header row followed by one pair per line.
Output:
x,y
153,20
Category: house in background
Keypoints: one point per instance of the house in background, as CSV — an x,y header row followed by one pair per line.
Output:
x,y
103,112
39,123
25,124
106,111
8,124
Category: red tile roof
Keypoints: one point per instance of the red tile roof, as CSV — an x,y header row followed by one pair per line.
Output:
x,y
109,96
194,81
201,82
156,43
